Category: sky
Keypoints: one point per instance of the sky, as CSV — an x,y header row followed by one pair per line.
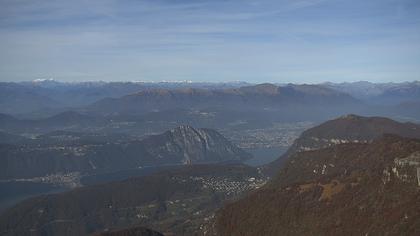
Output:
x,y
282,41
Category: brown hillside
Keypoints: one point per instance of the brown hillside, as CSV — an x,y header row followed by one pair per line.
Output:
x,y
347,189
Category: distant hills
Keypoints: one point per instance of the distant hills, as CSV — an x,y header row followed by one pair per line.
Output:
x,y
258,106
144,108
43,97
16,98
48,95
250,98
380,93
153,110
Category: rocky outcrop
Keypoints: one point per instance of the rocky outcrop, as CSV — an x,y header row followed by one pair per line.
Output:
x,y
407,169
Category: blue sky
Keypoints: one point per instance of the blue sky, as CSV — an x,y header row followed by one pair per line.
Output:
x,y
299,41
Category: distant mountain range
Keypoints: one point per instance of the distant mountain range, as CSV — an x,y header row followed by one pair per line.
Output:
x,y
40,97
157,109
264,96
139,108
380,93
143,108
49,96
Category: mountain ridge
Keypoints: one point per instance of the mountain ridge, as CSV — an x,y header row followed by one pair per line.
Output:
x,y
328,191
235,98
345,129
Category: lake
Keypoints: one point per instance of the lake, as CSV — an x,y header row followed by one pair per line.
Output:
x,y
13,192
264,156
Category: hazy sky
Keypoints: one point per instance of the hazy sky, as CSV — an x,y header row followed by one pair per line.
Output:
x,y
248,40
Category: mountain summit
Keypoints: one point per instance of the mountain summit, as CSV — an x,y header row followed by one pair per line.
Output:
x,y
191,145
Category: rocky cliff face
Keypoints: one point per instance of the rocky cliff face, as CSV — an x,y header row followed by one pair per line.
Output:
x,y
345,129
182,145
194,146
346,189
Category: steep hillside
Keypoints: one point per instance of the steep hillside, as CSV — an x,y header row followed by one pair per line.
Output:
x,y
347,189
352,129
345,129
